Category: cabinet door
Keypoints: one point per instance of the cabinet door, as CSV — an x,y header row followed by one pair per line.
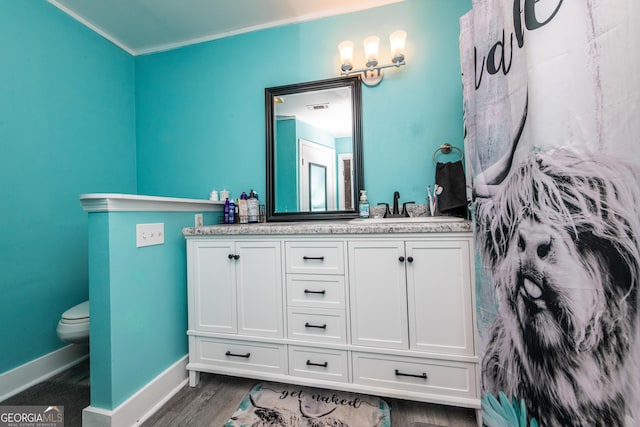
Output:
x,y
439,295
259,269
212,286
378,294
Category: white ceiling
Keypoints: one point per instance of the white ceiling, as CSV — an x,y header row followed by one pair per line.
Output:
x,y
335,118
144,26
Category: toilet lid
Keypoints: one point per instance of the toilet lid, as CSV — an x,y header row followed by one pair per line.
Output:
x,y
80,311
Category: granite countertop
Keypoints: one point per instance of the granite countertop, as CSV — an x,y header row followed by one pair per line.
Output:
x,y
356,226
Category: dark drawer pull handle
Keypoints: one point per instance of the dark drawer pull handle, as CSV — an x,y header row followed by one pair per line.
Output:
x,y
410,259
313,257
246,356
401,259
309,325
402,374
322,365
307,291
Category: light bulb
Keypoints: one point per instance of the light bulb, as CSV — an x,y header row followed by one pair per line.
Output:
x,y
371,50
346,55
397,41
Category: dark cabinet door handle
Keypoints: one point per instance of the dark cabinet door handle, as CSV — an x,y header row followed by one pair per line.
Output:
x,y
401,259
410,259
309,325
307,291
236,257
246,356
402,374
320,258
230,256
323,365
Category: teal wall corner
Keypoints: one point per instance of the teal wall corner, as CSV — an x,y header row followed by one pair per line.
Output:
x,y
67,126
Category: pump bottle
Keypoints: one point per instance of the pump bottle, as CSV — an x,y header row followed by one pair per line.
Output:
x,y
363,207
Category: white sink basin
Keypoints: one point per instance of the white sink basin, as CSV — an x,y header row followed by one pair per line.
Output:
x,y
407,219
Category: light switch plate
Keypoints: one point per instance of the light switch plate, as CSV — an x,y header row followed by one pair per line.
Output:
x,y
198,220
149,234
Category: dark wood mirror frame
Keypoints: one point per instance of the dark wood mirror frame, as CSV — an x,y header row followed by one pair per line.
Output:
x,y
355,84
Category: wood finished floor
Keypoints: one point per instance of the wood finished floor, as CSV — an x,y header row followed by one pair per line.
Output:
x,y
216,397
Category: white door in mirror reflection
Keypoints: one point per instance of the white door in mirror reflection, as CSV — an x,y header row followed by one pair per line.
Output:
x,y
318,167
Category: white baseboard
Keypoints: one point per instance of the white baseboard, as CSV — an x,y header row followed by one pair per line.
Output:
x,y
144,403
24,376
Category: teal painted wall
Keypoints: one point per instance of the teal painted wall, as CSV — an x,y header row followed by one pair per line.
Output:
x,y
286,161
67,127
81,116
140,329
314,134
344,145
200,109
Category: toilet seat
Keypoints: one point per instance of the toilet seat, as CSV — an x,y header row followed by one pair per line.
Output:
x,y
77,312
73,326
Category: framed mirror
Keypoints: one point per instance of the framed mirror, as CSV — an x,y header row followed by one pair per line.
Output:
x,y
314,150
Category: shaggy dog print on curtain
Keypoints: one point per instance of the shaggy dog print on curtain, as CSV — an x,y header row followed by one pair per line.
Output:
x,y
560,242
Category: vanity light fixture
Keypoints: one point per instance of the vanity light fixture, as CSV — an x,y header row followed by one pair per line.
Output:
x,y
372,74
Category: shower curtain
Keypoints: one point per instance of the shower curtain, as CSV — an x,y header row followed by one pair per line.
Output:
x,y
552,123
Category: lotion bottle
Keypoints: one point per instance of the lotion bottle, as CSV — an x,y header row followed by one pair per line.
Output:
x,y
232,212
363,207
253,207
243,208
226,211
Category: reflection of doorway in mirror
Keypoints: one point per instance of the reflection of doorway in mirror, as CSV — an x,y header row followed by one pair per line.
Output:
x,y
320,155
345,183
317,187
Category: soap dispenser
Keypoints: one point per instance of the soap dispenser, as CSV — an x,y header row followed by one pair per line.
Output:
x,y
363,207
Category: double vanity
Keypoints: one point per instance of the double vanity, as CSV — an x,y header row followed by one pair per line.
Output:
x,y
377,306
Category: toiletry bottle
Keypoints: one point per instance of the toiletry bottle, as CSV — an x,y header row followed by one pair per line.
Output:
x,y
243,208
363,208
226,211
232,212
253,206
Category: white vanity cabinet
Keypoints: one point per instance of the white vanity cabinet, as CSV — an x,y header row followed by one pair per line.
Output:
x,y
378,290
235,287
412,294
381,312
439,295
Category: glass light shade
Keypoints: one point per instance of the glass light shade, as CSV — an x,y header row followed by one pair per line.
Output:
x,y
371,50
346,55
397,40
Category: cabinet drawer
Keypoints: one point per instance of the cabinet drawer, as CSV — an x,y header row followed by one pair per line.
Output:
x,y
317,325
321,291
315,257
318,363
421,375
240,354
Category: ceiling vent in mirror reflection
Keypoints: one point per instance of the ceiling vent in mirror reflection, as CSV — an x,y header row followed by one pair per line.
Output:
x,y
315,107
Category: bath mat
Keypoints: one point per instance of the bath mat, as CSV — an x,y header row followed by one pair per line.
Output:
x,y
286,405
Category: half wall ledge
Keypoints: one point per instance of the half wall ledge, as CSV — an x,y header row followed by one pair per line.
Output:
x,y
113,202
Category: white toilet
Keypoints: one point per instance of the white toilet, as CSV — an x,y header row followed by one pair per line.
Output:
x,y
73,327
